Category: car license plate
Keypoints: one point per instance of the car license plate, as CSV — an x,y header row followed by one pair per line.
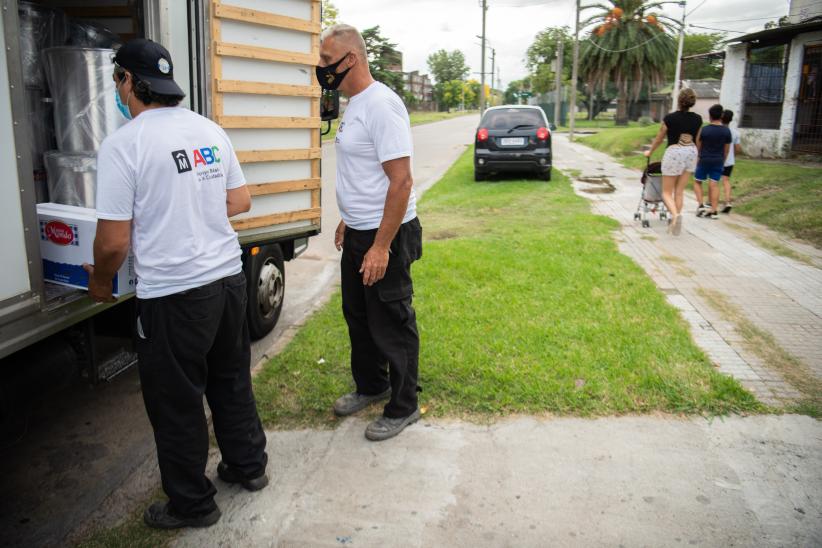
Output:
x,y
512,141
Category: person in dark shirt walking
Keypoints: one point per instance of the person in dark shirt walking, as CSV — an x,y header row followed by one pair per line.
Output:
x,y
713,143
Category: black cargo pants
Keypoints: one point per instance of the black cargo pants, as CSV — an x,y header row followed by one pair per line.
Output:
x,y
192,344
382,324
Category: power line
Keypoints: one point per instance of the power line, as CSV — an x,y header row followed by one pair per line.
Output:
x,y
696,8
713,28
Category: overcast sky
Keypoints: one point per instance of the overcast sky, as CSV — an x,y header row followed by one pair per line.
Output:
x,y
420,27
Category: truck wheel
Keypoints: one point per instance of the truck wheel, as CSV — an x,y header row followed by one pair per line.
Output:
x,y
266,288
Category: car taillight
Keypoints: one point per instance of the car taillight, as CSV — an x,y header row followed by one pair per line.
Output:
x,y
482,134
543,133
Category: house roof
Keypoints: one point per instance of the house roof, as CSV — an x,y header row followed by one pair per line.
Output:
x,y
778,34
704,89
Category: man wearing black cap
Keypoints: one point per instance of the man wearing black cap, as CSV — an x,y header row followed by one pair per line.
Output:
x,y
167,182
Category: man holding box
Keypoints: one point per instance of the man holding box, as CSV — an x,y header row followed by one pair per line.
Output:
x,y
167,182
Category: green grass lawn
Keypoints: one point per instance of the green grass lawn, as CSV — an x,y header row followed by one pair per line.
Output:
x,y
786,196
417,118
525,305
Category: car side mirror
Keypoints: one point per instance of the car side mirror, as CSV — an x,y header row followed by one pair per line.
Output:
x,y
552,126
329,108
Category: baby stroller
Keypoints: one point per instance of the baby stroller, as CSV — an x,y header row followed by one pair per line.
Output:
x,y
651,199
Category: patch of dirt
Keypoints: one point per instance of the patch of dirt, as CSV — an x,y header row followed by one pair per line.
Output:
x,y
603,183
442,235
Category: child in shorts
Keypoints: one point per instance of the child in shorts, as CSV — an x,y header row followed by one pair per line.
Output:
x,y
713,143
733,150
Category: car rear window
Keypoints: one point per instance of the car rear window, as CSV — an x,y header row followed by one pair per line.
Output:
x,y
511,117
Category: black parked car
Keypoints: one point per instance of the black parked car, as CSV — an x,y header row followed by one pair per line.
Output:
x,y
513,138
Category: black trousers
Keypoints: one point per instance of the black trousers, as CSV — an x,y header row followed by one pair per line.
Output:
x,y
382,324
192,344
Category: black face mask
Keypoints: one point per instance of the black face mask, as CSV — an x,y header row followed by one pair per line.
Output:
x,y
329,78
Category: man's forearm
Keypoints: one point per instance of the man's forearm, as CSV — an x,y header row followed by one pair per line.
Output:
x,y
396,204
107,261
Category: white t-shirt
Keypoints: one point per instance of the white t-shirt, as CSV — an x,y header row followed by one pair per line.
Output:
x,y
729,161
169,170
374,129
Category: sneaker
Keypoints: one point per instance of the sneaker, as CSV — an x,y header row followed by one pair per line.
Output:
x,y
670,225
712,215
159,516
677,228
700,211
727,208
353,402
384,427
232,475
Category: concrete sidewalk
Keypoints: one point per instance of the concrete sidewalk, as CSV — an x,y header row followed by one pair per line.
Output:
x,y
779,295
526,482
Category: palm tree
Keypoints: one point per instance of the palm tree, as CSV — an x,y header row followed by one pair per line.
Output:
x,y
629,45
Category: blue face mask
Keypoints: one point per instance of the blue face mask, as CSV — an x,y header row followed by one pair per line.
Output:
x,y
120,106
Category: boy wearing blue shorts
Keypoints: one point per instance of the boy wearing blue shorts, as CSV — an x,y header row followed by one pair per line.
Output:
x,y
713,143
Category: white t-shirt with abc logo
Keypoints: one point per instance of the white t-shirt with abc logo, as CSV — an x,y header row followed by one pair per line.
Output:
x,y
168,171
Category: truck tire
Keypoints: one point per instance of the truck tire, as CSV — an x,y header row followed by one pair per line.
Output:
x,y
266,288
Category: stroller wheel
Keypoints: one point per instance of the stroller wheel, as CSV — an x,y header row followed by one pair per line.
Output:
x,y
646,224
663,216
637,216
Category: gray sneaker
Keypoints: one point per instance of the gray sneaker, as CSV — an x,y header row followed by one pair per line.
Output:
x,y
384,427
353,402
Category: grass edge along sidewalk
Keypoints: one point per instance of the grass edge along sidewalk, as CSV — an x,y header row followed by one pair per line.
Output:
x,y
785,196
525,305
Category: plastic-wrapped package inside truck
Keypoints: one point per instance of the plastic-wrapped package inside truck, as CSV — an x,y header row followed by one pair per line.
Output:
x,y
246,64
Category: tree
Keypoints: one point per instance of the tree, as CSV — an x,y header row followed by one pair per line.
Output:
x,y
781,22
458,92
447,65
700,69
331,14
629,45
382,56
543,52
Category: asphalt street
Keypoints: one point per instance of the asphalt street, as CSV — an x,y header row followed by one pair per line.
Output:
x,y
87,453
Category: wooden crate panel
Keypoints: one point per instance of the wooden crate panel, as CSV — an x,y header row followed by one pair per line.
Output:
x,y
277,203
236,32
266,172
253,70
256,139
283,227
301,9
265,105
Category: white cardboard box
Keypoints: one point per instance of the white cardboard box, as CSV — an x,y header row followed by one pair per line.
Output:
x,y
67,241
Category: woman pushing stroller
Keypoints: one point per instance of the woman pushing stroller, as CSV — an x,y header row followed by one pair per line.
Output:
x,y
679,161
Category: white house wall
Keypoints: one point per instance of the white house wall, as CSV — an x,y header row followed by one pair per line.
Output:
x,y
765,143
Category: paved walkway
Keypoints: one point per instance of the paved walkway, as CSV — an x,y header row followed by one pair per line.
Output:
x,y
779,295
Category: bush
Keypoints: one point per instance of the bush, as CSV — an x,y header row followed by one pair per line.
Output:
x,y
645,121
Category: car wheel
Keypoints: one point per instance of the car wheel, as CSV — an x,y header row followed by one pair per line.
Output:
x,y
478,176
545,175
266,288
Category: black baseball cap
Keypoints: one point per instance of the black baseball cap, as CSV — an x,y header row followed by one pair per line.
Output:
x,y
151,63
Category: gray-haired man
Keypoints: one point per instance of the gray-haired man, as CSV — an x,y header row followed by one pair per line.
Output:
x,y
379,235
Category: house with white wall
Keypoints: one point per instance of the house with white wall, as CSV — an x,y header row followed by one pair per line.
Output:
x,y
772,81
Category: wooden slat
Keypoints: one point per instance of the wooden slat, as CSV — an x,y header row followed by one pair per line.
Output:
x,y
236,13
279,187
312,214
264,54
316,138
263,88
283,155
216,67
267,122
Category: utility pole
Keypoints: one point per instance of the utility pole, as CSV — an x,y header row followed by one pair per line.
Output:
x,y
558,86
679,58
482,68
574,71
493,68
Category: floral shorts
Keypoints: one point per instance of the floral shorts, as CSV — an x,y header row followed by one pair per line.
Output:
x,y
678,159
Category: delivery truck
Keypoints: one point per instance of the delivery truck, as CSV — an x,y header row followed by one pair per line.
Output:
x,y
246,64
